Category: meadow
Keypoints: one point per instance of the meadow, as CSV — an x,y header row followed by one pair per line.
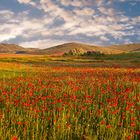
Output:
x,y
69,98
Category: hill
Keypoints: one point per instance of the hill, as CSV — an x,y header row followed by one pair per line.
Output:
x,y
65,48
10,48
126,47
13,48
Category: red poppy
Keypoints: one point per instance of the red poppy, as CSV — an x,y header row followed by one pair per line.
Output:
x,y
19,123
108,126
14,138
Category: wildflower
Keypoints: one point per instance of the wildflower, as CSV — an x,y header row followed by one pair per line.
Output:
x,y
121,124
115,112
108,126
123,117
65,94
69,125
132,118
19,123
25,123
129,137
58,126
138,132
133,124
102,122
37,110
14,138
1,115
127,108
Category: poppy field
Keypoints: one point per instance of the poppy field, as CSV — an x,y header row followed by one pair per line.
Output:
x,y
69,102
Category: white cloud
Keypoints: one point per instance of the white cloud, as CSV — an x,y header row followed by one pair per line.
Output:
x,y
21,24
107,11
104,38
83,3
27,2
136,20
84,11
24,1
76,3
46,43
80,20
5,15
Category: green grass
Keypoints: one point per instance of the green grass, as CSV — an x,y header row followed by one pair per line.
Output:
x,y
131,58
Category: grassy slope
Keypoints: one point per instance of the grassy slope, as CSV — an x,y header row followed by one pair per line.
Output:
x,y
127,47
13,48
10,48
115,49
60,49
126,59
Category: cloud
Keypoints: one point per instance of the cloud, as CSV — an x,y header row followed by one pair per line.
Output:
x,y
5,15
21,24
104,38
46,43
84,12
24,1
8,30
69,19
107,11
83,3
27,2
136,20
76,3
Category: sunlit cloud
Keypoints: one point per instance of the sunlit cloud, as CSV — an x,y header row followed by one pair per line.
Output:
x,y
59,21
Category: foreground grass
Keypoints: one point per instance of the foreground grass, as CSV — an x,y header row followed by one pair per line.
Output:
x,y
64,103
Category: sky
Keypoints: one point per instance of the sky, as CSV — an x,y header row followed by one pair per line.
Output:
x,y
47,23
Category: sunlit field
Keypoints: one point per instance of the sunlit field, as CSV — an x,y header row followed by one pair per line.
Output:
x,y
69,102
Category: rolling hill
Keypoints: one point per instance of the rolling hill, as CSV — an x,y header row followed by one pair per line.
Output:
x,y
13,48
126,47
10,48
65,48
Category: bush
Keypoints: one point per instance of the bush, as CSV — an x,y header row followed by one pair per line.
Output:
x,y
75,52
93,53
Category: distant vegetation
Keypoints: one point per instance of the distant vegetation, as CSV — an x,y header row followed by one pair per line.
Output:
x,y
93,53
81,52
75,52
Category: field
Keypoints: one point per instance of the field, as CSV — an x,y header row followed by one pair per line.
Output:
x,y
70,98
